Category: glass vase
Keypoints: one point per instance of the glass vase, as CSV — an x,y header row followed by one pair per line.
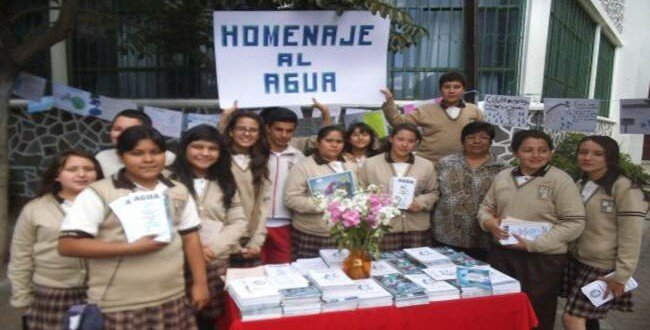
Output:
x,y
358,264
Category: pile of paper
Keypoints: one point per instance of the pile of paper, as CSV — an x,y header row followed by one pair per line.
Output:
x,y
301,301
428,257
303,266
435,290
381,267
502,283
332,282
256,298
334,258
404,266
371,294
389,255
404,291
469,291
283,276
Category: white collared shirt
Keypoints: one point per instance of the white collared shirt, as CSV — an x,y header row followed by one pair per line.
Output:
x,y
337,166
400,168
242,160
588,190
453,111
279,165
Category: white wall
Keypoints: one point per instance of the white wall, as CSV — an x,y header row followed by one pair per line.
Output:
x,y
632,69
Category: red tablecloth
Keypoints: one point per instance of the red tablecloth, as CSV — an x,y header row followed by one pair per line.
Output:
x,y
511,311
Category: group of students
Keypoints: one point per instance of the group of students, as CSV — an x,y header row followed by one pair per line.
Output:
x,y
238,197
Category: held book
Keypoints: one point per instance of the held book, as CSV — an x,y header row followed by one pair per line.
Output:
x,y
403,190
595,290
144,213
327,184
529,230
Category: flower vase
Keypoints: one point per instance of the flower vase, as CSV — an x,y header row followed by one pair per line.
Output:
x,y
358,264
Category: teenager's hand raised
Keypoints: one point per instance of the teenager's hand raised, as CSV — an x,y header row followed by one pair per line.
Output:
x,y
145,244
387,94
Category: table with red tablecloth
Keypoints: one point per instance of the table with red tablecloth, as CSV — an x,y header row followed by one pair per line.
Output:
x,y
509,311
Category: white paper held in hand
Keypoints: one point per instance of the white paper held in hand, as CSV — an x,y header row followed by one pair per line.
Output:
x,y
143,213
403,190
595,290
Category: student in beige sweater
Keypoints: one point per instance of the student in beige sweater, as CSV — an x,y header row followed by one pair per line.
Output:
x,y
611,242
413,227
203,166
247,141
534,191
441,123
45,284
310,231
138,284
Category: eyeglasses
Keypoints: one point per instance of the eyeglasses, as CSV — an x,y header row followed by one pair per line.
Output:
x,y
242,130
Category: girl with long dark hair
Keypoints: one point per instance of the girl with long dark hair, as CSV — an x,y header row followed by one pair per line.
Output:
x,y
247,141
611,242
360,141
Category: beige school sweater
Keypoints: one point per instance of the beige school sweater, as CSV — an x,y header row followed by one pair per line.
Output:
x,y
440,133
552,197
34,256
211,208
378,170
132,286
306,217
255,210
612,237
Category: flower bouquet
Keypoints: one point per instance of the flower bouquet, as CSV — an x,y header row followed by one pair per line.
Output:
x,y
358,223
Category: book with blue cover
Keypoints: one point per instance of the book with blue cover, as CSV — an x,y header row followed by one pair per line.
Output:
x,y
327,184
404,291
405,266
474,277
388,255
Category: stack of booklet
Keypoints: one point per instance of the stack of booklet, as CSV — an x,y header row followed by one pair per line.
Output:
x,y
502,283
283,276
428,257
338,290
435,290
381,267
389,255
256,298
371,294
301,301
334,258
403,290
303,266
404,266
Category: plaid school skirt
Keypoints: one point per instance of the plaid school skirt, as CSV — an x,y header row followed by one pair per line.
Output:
x,y
50,306
405,240
214,270
305,245
174,314
578,275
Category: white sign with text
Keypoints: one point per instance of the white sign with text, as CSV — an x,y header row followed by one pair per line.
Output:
x,y
285,58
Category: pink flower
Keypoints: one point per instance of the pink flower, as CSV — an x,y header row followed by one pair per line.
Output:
x,y
350,218
334,211
372,219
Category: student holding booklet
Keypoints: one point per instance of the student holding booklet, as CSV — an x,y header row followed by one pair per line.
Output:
x,y
611,242
138,284
203,166
310,232
534,191
408,177
45,284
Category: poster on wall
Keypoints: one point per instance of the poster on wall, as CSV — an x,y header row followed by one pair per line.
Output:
x,y
168,122
285,58
29,86
509,111
71,99
575,115
635,116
